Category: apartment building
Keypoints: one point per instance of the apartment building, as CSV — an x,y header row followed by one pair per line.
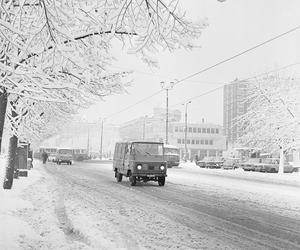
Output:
x,y
234,105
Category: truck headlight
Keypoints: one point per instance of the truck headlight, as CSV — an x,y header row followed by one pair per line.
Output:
x,y
162,167
139,167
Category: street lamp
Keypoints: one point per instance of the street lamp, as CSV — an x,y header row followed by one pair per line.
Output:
x,y
144,126
185,129
101,139
167,87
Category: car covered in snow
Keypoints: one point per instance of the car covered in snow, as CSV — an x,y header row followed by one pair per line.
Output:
x,y
210,162
271,165
250,164
230,163
140,161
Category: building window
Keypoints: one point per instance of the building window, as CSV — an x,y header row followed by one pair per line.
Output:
x,y
208,130
203,130
210,142
194,130
202,141
176,129
187,141
182,141
193,141
217,131
190,130
206,142
178,141
212,130
180,129
197,141
199,130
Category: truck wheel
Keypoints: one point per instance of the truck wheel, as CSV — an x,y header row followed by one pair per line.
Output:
x,y
119,177
132,180
161,181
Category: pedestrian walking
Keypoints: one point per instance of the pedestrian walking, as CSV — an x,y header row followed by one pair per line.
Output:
x,y
44,157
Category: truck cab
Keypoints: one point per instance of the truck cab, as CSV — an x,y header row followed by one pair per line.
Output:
x,y
64,155
141,161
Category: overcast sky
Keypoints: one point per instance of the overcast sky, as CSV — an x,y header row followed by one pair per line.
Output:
x,y
234,25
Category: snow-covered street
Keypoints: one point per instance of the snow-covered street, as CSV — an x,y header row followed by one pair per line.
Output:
x,y
83,207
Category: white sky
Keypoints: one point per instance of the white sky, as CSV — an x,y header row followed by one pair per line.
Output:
x,y
234,25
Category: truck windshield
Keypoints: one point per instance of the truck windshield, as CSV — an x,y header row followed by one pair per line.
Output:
x,y
65,151
171,151
147,149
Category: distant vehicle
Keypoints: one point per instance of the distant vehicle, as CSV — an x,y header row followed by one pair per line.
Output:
x,y
230,163
51,151
64,155
210,162
250,164
140,161
80,154
171,155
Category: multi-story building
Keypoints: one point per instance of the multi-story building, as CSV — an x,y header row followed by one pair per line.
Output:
x,y
234,104
203,139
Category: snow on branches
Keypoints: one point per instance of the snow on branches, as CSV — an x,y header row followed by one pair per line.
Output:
x,y
273,117
55,52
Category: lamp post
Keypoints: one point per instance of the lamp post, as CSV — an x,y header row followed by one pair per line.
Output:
x,y
167,87
101,140
144,127
185,129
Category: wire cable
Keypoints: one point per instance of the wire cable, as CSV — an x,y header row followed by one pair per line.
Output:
x,y
209,68
244,79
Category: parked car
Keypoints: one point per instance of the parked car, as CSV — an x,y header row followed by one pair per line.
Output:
x,y
230,163
210,162
250,164
271,165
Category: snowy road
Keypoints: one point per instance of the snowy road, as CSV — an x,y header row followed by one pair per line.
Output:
x,y
197,209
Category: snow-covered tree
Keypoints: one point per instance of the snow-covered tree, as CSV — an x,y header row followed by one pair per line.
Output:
x,y
46,44
272,121
51,48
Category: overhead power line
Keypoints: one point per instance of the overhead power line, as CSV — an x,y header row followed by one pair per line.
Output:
x,y
238,54
244,79
209,68
131,106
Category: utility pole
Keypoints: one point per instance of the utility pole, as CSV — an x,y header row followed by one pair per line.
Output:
x,y
185,130
88,142
144,127
167,88
101,140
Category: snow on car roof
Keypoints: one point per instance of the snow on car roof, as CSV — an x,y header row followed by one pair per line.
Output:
x,y
170,146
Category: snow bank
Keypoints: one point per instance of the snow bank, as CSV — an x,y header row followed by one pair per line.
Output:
x,y
14,231
286,178
2,167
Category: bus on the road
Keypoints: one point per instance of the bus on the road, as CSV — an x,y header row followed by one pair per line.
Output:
x,y
171,155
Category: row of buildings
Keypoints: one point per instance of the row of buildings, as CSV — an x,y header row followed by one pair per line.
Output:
x,y
203,139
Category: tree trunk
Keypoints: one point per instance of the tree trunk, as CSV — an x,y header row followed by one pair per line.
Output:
x,y
3,105
281,162
12,155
